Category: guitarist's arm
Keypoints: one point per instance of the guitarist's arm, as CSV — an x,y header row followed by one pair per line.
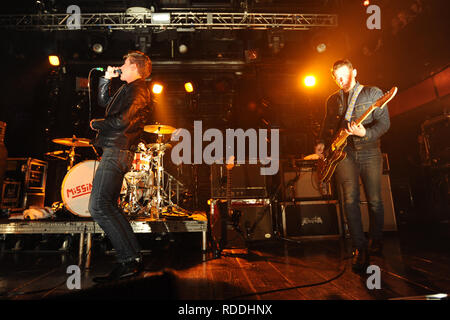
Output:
x,y
381,122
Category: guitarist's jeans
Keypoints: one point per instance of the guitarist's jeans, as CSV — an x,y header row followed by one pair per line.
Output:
x,y
367,164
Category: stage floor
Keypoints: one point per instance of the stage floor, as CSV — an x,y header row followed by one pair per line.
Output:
x,y
416,262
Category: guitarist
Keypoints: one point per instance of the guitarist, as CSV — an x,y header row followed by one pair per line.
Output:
x,y
364,158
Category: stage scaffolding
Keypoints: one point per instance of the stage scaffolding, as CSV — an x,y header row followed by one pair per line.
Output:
x,y
181,21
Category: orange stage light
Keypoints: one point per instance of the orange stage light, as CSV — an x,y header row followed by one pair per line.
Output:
x,y
310,81
189,87
157,88
54,60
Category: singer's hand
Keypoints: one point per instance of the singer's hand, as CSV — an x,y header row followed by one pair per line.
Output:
x,y
110,72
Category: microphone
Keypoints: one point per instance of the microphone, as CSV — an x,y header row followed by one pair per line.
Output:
x,y
102,69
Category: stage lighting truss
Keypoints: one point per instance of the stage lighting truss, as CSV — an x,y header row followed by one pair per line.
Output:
x,y
178,20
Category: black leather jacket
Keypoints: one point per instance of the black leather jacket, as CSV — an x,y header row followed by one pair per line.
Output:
x,y
376,124
127,111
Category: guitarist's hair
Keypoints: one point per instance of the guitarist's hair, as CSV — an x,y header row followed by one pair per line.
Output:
x,y
340,63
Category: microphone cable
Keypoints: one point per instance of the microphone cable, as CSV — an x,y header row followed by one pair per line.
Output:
x,y
89,91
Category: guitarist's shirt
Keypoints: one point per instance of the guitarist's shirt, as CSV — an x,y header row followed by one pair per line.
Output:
x,y
376,124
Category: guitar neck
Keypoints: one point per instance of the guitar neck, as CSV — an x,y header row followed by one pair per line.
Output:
x,y
343,135
365,115
229,190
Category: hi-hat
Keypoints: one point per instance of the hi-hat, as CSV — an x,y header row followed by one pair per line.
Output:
x,y
159,129
159,146
73,142
59,154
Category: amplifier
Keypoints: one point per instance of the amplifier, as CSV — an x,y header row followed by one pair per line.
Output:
x,y
10,194
246,182
311,219
251,220
32,176
31,172
255,218
300,182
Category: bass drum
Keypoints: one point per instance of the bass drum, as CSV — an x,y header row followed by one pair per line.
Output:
x,y
77,186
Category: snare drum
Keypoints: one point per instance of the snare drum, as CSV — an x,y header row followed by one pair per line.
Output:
x,y
77,186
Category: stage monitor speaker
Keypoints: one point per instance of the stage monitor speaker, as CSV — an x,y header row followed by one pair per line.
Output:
x,y
311,219
390,221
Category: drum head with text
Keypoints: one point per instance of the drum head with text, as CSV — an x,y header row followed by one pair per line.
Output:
x,y
77,186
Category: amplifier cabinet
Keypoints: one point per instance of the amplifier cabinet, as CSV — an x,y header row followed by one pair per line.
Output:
x,y
10,194
301,182
32,176
311,219
255,218
252,220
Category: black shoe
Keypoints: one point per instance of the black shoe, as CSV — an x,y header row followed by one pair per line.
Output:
x,y
360,260
122,271
375,247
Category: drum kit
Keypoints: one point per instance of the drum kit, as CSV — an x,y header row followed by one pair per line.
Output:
x,y
147,189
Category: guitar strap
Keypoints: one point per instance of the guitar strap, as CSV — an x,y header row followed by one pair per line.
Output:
x,y
351,106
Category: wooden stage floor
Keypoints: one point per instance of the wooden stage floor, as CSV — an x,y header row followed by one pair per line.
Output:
x,y
416,262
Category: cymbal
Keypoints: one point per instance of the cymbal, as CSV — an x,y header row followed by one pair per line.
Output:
x,y
73,142
159,129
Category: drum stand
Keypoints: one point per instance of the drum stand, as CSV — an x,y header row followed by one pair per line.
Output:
x,y
133,205
159,177
162,199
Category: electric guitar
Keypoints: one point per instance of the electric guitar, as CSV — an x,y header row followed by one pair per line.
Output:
x,y
336,153
229,166
226,215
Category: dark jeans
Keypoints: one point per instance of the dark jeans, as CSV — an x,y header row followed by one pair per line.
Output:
x,y
367,164
103,204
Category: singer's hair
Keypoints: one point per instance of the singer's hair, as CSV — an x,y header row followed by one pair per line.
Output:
x,y
340,63
142,61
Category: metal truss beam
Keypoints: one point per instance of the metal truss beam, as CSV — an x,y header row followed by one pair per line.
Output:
x,y
178,20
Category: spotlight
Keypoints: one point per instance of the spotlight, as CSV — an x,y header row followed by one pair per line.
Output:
x,y
366,3
183,48
161,18
97,42
97,48
143,42
157,88
189,87
54,60
321,47
310,81
319,42
276,41
251,55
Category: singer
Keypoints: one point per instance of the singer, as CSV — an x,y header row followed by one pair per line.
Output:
x,y
127,111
